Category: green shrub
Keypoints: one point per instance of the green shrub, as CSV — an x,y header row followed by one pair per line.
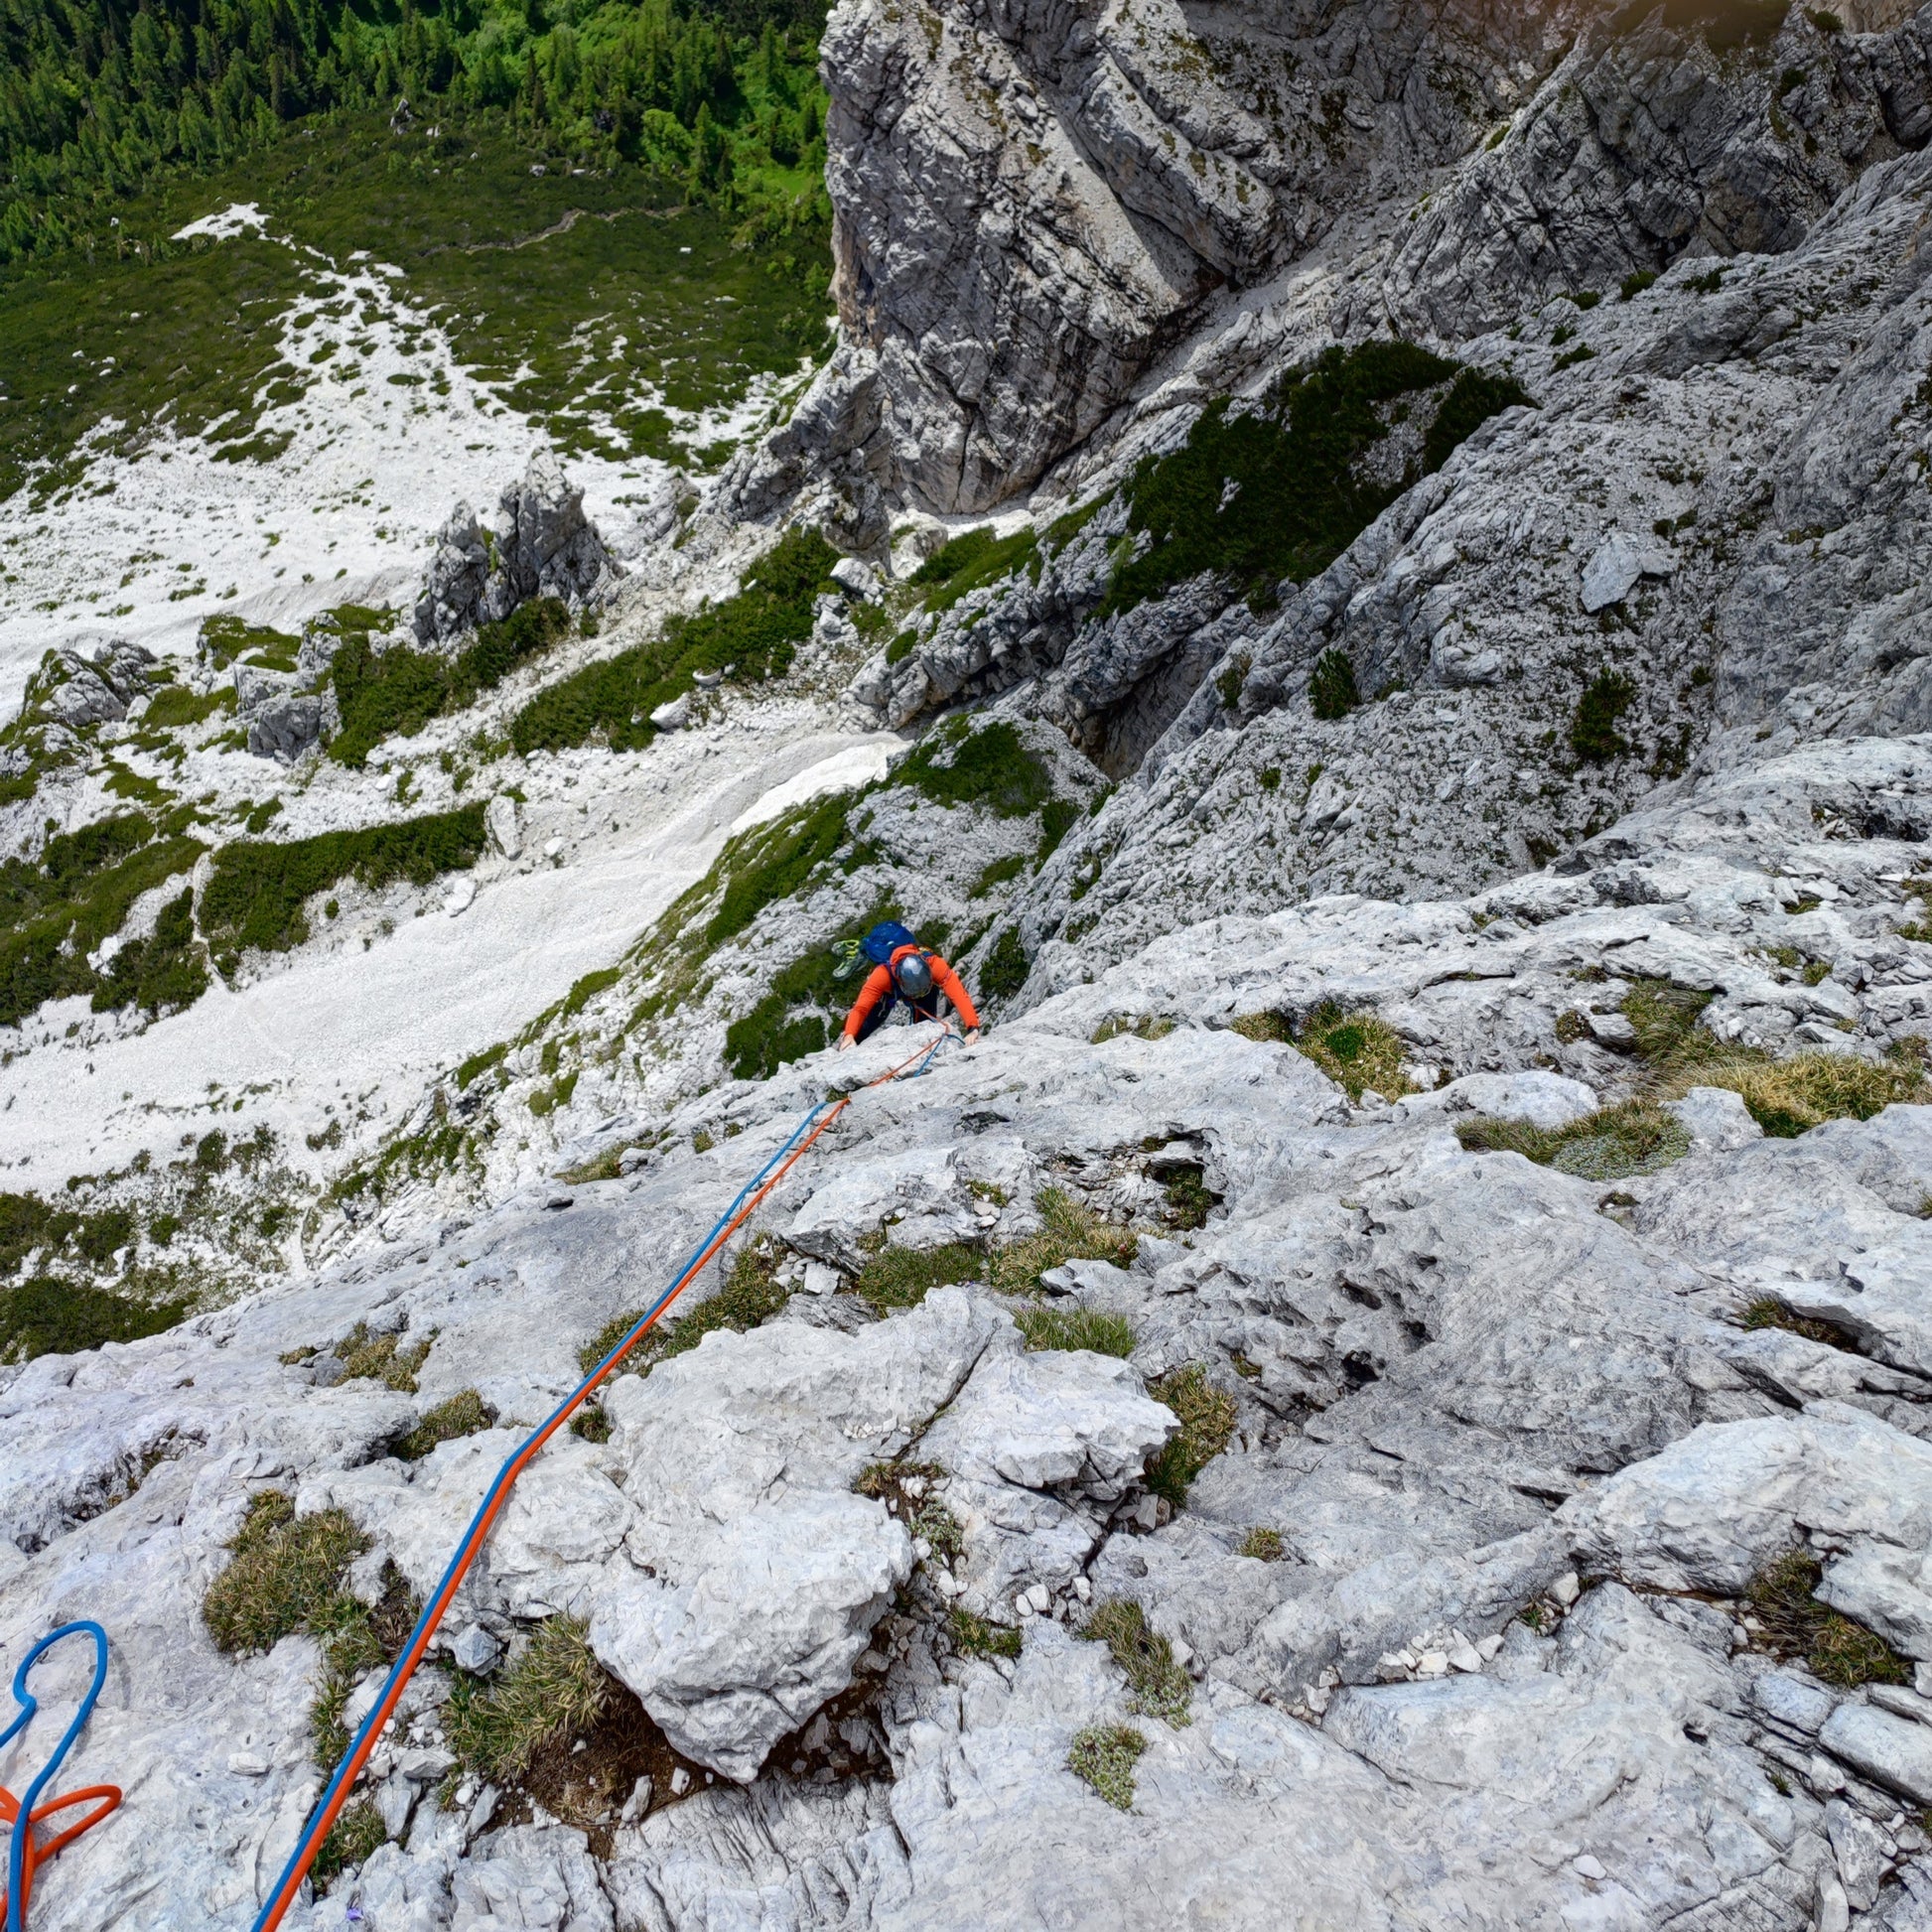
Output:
x,y
478,1064
767,1039
1836,1650
553,1690
1299,498
1208,1417
1358,1050
1635,284
1593,731
285,1574
773,862
1089,1328
1159,1686
54,910
1057,817
753,634
1611,1144
1331,685
464,1414
1474,398
990,767
162,973
1104,1757
256,893
48,1316
972,560
1006,968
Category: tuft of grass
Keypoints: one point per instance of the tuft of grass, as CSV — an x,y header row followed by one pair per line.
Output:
x,y
1208,1417
1103,1757
1089,1328
1666,1020
1836,1650
464,1414
553,1689
1611,1144
1359,1052
750,1294
1263,1546
381,1358
1070,1231
975,1637
357,1834
1788,1097
285,1576
1146,1026
1160,1686
1767,1311
901,1277
1270,1028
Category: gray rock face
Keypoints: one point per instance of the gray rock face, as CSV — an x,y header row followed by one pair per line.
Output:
x,y
282,715
538,544
1642,148
1149,155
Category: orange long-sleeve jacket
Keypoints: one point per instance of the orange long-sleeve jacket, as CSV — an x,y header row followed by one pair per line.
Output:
x,y
880,986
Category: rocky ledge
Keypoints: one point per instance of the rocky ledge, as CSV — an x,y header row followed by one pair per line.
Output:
x,y
1124,1460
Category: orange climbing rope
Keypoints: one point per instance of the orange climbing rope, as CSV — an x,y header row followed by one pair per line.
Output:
x,y
749,1200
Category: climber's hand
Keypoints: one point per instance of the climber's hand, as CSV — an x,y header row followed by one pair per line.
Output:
x,y
845,1040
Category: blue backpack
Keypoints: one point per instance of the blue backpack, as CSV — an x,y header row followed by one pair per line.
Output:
x,y
885,939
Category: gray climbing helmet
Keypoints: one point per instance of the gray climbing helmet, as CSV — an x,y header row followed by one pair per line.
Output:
x,y
914,976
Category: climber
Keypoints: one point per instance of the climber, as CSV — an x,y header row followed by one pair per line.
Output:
x,y
902,969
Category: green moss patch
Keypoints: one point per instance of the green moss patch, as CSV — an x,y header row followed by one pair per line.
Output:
x,y
901,1277
1276,492
1103,1757
751,636
256,894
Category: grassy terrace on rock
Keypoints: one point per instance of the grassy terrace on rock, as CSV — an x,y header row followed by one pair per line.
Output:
x,y
749,637
1278,491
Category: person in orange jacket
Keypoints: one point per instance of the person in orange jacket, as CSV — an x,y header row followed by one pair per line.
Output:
x,y
902,969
